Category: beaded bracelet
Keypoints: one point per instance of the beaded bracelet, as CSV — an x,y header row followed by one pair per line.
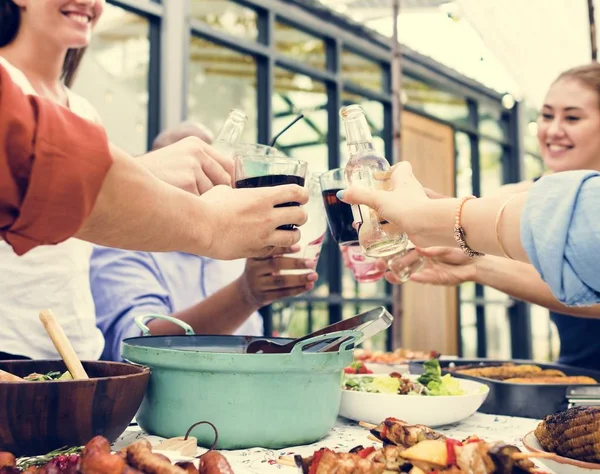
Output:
x,y
459,232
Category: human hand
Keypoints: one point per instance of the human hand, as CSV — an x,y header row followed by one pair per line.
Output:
x,y
262,282
244,222
190,164
443,266
404,188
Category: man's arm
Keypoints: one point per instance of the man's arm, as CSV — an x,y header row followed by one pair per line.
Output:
x,y
56,169
125,284
221,313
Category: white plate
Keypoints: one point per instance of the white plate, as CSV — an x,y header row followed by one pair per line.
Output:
x,y
414,409
558,464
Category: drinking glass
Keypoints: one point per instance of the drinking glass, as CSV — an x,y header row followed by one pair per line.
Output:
x,y
313,231
340,220
253,170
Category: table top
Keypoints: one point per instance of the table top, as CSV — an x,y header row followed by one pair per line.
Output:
x,y
347,434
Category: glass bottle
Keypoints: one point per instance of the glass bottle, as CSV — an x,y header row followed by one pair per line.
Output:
x,y
230,132
377,238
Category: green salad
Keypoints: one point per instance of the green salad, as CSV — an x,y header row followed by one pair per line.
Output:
x,y
430,383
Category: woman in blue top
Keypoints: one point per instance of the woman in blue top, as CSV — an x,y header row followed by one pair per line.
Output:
x,y
569,139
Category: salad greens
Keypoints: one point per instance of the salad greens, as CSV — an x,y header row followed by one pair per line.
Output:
x,y
430,383
437,384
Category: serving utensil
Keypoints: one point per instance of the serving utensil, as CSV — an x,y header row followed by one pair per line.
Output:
x,y
63,345
370,323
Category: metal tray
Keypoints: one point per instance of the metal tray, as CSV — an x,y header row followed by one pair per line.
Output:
x,y
526,400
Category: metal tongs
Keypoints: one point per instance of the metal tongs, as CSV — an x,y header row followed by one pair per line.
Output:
x,y
370,323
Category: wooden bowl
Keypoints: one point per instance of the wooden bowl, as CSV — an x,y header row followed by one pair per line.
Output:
x,y
38,417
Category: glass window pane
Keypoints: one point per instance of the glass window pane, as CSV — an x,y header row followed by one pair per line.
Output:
x,y
492,121
490,162
544,336
307,139
299,45
221,79
114,77
464,171
468,330
435,102
361,71
497,324
226,16
534,166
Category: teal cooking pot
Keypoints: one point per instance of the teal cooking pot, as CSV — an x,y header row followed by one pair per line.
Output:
x,y
254,400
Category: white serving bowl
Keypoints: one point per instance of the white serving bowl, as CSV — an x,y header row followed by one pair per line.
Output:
x,y
414,409
556,463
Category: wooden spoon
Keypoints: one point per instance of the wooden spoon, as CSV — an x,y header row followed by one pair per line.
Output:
x,y
62,344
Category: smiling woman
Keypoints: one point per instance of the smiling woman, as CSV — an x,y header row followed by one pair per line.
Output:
x,y
570,119
41,45
56,24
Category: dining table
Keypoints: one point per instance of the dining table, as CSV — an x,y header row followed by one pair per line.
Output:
x,y
345,435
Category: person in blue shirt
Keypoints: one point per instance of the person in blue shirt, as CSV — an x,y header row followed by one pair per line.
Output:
x,y
568,138
213,296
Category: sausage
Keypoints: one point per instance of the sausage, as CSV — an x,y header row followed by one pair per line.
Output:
x,y
214,463
7,459
140,456
8,377
187,466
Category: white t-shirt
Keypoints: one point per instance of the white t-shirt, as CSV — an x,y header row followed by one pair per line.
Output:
x,y
53,276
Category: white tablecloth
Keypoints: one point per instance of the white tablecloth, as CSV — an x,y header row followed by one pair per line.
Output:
x,y
346,434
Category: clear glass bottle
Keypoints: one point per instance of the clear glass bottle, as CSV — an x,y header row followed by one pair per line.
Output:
x,y
230,132
377,238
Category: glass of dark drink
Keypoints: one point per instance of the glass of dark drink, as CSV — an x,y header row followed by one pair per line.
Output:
x,y
340,220
258,170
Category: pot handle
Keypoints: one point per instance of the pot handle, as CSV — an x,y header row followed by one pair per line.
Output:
x,y
349,338
139,322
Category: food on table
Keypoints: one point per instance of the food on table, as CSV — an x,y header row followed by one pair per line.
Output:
x,y
96,458
398,356
524,373
566,380
417,450
35,377
357,367
56,375
400,433
8,377
573,433
431,383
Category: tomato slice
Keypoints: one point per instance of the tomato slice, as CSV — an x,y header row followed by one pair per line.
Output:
x,y
363,453
451,445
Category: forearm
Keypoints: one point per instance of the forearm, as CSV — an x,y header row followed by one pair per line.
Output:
x,y
156,217
523,282
221,313
435,226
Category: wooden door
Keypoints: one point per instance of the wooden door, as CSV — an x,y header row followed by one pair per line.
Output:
x,y
428,317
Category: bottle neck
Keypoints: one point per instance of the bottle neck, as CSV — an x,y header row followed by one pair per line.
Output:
x,y
232,129
358,134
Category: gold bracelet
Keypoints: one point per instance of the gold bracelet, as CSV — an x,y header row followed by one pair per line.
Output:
x,y
498,219
459,232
